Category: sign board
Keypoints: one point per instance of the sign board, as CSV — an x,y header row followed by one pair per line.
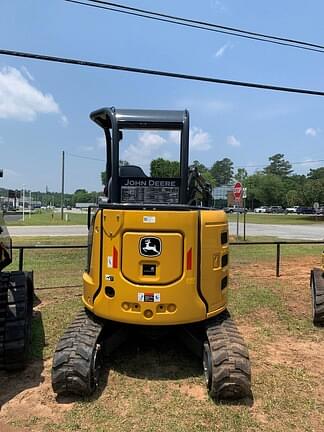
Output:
x,y
237,191
244,192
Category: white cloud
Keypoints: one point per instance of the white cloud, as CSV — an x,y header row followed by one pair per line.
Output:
x,y
141,153
311,132
232,141
151,140
221,50
20,100
199,139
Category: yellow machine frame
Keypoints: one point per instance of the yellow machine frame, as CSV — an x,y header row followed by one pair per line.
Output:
x,y
181,291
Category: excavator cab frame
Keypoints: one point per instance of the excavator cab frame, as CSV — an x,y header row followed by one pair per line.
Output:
x,y
114,121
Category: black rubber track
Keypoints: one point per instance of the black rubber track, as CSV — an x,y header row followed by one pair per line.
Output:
x,y
16,310
76,361
317,291
4,283
230,374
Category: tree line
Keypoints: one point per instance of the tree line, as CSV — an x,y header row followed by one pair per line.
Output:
x,y
275,184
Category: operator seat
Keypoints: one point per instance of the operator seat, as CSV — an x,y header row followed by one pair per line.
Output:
x,y
131,171
125,171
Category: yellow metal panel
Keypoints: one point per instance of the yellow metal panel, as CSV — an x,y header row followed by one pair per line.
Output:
x,y
122,293
212,224
168,265
174,302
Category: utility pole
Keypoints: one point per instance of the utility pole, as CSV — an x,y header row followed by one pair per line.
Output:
x,y
23,203
62,193
30,203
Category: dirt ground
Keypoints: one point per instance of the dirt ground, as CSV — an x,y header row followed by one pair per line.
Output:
x,y
28,394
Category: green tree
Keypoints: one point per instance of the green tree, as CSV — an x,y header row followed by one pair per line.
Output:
x,y
313,191
241,175
269,189
222,171
200,167
164,168
204,171
315,174
278,166
293,198
82,196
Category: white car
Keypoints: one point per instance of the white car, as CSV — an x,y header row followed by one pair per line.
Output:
x,y
291,209
262,209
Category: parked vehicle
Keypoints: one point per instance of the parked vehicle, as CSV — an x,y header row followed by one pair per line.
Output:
x,y
305,210
262,209
276,209
235,209
291,209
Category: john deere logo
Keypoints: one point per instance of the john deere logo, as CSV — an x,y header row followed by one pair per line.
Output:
x,y
150,246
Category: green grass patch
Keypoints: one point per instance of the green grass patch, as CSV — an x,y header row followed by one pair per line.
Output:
x,y
48,218
249,253
280,219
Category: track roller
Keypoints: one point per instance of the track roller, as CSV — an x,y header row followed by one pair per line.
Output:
x,y
226,360
317,292
16,310
78,358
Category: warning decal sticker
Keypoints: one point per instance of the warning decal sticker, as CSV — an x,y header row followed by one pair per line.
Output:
x,y
149,297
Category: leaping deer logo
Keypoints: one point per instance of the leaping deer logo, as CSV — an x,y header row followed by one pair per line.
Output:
x,y
150,246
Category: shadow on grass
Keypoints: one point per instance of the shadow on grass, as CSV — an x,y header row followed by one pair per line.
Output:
x,y
161,358
15,382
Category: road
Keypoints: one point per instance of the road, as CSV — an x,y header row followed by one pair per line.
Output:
x,y
48,231
292,232
284,232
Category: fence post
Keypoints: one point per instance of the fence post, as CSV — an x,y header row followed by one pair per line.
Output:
x,y
278,260
21,258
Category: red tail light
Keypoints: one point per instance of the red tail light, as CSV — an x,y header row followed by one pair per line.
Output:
x,y
189,259
115,257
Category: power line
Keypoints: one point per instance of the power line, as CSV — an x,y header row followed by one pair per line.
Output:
x,y
291,163
85,157
202,25
160,73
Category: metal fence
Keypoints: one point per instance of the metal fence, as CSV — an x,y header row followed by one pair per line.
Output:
x,y
278,253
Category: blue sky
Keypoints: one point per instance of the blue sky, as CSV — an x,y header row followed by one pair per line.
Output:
x,y
44,107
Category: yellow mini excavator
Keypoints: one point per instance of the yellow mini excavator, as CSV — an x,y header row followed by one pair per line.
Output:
x,y
157,260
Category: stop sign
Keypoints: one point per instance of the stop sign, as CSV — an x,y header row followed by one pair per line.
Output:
x,y
237,190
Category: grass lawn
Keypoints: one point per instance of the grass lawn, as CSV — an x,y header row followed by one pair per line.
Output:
x,y
281,219
49,218
153,387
